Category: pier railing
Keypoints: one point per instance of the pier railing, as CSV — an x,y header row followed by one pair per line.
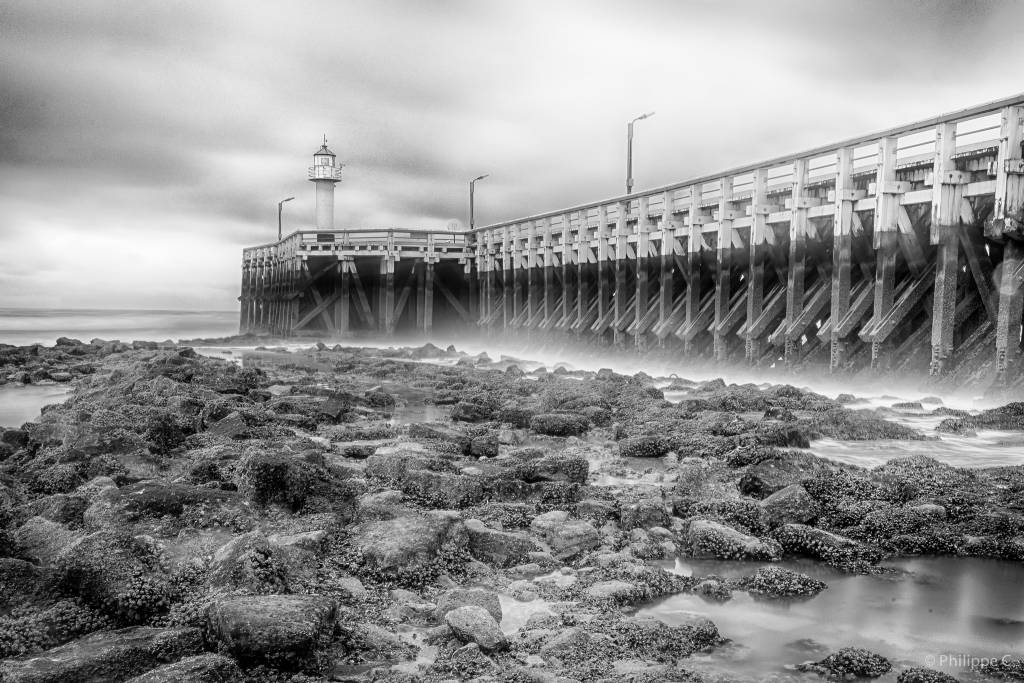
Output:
x,y
977,133
363,241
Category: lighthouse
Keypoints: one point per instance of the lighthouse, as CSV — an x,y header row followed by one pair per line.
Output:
x,y
325,172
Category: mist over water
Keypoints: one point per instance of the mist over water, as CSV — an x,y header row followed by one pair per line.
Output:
x,y
24,326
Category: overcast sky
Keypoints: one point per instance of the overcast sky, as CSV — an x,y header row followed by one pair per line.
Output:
x,y
143,144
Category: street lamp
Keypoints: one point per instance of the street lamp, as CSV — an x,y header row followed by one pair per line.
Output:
x,y
472,185
280,205
629,151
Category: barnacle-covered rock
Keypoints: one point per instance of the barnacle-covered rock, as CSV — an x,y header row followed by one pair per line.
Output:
x,y
559,424
408,542
460,597
498,548
922,675
105,656
776,582
474,624
205,668
283,630
791,504
706,538
850,662
116,573
565,536
824,545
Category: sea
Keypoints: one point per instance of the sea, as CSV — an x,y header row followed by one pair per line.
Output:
x,y
23,326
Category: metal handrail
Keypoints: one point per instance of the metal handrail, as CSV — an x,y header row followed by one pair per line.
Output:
x,y
915,127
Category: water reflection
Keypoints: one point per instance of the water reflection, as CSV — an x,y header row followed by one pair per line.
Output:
x,y
22,403
927,607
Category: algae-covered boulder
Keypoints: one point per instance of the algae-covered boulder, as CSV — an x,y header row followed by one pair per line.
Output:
x,y
497,548
442,489
473,624
776,582
249,563
651,446
776,473
105,656
923,675
41,540
460,597
643,514
205,668
116,573
559,424
707,538
409,542
824,545
791,504
282,630
275,478
850,662
565,536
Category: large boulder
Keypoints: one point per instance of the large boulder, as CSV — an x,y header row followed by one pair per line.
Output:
x,y
105,657
380,505
651,446
249,563
534,465
41,540
409,542
707,538
267,477
800,539
117,574
460,597
850,663
559,424
473,624
284,631
206,668
776,582
442,489
768,476
791,504
613,589
643,514
922,675
565,536
497,548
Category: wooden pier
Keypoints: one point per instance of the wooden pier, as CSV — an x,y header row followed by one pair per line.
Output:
x,y
337,282
900,250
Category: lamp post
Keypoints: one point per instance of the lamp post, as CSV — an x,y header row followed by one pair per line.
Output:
x,y
472,187
280,206
629,151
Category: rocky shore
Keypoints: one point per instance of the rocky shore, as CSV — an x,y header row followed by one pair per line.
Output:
x,y
186,518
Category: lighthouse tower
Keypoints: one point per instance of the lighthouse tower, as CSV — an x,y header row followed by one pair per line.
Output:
x,y
325,172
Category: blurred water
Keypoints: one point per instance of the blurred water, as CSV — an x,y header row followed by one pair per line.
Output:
x,y
930,608
20,404
22,326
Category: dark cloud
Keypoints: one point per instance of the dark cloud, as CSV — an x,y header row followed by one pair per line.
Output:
x,y
168,131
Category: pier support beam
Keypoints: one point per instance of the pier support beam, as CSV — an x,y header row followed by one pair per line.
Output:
x,y
723,271
886,246
842,255
799,227
947,188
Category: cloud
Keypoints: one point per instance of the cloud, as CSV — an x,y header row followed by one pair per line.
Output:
x,y
144,143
